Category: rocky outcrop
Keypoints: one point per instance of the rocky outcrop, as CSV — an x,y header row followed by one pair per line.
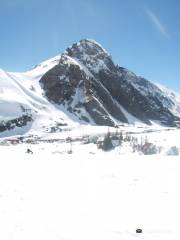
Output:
x,y
17,122
94,89
73,86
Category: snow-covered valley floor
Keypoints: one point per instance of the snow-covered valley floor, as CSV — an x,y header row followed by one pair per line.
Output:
x,y
54,196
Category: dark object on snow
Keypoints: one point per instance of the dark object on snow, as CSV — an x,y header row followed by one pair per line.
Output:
x,y
69,151
149,149
106,144
29,151
139,230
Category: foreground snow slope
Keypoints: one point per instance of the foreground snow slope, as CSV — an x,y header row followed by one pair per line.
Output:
x,y
53,196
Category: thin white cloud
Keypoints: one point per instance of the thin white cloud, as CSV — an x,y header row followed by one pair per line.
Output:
x,y
157,23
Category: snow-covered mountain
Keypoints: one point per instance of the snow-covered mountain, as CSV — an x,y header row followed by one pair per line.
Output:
x,y
81,86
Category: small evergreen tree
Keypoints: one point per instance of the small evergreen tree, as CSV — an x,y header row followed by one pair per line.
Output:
x,y
121,136
107,143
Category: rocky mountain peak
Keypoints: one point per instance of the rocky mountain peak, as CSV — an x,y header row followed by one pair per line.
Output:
x,y
86,47
92,87
92,55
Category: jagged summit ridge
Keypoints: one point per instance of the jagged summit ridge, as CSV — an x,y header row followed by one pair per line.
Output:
x,y
91,54
88,46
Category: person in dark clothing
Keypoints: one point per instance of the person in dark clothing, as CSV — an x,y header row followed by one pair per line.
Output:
x,y
29,151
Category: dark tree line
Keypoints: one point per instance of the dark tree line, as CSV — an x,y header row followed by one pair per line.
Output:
x,y
112,140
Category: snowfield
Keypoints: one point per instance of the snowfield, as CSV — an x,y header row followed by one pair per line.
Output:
x,y
89,194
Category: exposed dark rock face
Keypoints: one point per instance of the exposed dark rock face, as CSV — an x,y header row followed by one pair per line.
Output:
x,y
93,88
60,82
68,81
17,122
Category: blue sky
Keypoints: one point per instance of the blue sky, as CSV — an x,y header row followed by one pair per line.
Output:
x,y
142,35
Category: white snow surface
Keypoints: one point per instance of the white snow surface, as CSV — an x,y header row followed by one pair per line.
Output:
x,y
90,194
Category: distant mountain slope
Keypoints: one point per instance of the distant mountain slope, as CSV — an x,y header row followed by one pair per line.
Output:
x,y
23,107
81,86
174,98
